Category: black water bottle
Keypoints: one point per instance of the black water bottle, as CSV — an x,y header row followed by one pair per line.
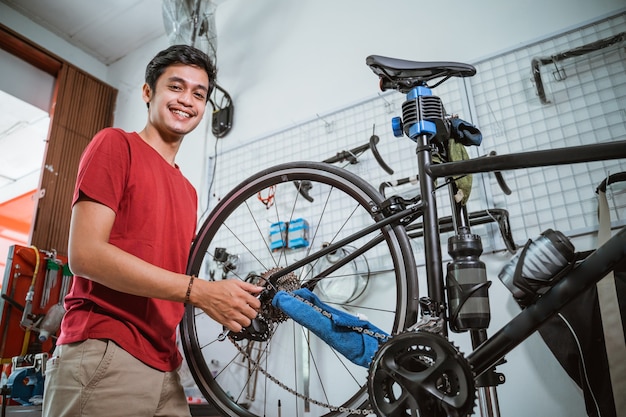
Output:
x,y
466,283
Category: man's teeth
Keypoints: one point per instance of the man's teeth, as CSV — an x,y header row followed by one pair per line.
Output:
x,y
181,113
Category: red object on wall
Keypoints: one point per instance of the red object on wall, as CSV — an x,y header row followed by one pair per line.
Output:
x,y
49,283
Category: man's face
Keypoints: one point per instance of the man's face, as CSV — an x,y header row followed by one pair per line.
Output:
x,y
179,100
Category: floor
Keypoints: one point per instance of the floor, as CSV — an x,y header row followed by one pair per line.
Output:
x,y
21,411
197,410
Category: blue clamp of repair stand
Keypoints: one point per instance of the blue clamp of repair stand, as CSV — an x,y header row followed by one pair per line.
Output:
x,y
418,111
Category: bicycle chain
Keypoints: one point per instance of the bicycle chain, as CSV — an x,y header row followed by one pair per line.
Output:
x,y
290,390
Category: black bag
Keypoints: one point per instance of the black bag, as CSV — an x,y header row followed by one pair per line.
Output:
x,y
587,336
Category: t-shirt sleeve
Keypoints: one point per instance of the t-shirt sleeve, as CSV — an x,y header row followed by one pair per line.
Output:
x,y
103,169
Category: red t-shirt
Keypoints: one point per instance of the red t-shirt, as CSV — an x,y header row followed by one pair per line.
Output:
x,y
155,207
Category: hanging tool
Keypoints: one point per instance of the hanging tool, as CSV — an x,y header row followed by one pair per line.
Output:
x,y
65,282
27,317
50,281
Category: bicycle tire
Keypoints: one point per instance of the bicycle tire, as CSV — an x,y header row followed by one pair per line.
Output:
x,y
239,223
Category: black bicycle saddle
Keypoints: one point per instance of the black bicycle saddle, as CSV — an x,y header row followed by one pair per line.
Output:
x,y
403,75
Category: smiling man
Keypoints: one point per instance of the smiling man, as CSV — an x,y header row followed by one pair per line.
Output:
x,y
133,221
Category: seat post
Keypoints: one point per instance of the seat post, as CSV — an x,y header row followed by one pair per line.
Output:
x,y
420,112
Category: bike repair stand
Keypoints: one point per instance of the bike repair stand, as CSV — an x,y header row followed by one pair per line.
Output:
x,y
466,279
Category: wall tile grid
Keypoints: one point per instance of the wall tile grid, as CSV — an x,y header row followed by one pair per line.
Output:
x,y
587,104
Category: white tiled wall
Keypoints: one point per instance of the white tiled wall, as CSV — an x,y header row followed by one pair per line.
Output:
x,y
587,105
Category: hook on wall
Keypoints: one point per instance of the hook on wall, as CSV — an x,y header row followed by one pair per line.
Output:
x,y
558,73
388,104
329,125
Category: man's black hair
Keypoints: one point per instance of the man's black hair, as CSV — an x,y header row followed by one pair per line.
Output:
x,y
180,54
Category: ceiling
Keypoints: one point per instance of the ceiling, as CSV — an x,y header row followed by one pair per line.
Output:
x,y
107,30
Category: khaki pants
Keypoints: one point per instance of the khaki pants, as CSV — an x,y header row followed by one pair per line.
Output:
x,y
97,378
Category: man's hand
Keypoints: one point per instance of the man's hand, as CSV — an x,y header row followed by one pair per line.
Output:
x,y
230,302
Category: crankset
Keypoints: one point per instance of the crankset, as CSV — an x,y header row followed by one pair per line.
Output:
x,y
420,374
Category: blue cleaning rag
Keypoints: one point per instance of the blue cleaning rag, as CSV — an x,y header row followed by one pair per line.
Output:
x,y
337,332
465,132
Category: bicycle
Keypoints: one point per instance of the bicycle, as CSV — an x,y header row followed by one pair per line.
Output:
x,y
357,257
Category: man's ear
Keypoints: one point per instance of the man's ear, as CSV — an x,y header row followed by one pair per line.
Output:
x,y
146,93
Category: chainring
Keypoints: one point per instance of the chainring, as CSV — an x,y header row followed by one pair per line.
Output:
x,y
420,374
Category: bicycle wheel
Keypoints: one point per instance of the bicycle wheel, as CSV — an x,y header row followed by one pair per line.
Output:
x,y
292,372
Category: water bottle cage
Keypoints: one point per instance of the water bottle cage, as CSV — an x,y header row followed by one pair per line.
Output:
x,y
466,294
